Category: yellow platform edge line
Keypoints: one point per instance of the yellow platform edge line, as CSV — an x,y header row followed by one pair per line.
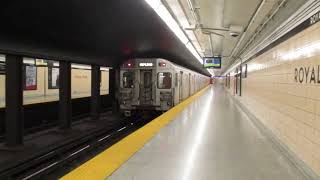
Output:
x,y
105,163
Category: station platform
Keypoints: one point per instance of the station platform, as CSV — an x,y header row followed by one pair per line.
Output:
x,y
207,136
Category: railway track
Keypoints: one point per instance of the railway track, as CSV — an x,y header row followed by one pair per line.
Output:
x,y
55,163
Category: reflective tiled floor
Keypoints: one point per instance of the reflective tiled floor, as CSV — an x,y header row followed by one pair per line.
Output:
x,y
212,139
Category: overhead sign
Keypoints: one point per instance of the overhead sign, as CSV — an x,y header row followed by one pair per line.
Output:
x,y
145,64
212,62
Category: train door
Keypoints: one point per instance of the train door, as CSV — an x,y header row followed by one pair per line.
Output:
x,y
146,87
181,86
176,89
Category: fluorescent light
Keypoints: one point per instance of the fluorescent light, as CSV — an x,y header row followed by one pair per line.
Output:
x,y
2,58
165,15
171,23
194,52
211,71
104,69
154,3
80,66
28,60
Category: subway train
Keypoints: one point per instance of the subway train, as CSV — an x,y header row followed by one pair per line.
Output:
x,y
156,84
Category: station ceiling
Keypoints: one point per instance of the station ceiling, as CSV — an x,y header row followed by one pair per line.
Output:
x,y
213,22
104,32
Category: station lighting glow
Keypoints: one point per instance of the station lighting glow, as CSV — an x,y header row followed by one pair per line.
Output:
x,y
104,69
81,66
165,15
2,58
211,71
254,67
197,139
306,51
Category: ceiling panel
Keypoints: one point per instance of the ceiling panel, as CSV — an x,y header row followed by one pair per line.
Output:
x,y
239,12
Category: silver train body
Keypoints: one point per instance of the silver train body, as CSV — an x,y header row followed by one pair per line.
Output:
x,y
156,84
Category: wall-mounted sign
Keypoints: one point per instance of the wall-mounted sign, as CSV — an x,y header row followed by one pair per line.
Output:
x,y
315,18
145,64
307,74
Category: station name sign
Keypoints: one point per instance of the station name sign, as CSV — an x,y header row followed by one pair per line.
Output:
x,y
145,64
315,18
307,75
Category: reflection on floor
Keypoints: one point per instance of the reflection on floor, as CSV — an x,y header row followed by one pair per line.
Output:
x,y
211,139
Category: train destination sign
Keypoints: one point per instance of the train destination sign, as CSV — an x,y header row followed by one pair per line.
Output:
x,y
307,75
145,64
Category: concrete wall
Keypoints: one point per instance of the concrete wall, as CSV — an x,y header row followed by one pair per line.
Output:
x,y
283,91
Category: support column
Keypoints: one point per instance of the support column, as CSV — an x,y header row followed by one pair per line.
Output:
x,y
14,101
65,103
95,92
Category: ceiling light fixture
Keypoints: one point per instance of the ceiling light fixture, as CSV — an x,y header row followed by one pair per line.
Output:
x,y
165,15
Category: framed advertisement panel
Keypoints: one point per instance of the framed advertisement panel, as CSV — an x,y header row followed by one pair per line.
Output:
x,y
30,77
53,77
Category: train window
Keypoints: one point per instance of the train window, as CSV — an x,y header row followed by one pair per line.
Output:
x,y
127,79
164,80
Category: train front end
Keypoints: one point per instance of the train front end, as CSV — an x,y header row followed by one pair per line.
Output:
x,y
145,85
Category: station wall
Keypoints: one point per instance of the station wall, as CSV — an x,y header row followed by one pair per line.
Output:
x,y
80,87
282,90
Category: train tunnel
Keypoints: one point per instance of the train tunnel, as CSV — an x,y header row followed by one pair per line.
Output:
x,y
160,89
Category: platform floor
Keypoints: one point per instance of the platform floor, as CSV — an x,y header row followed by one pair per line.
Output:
x,y
211,139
